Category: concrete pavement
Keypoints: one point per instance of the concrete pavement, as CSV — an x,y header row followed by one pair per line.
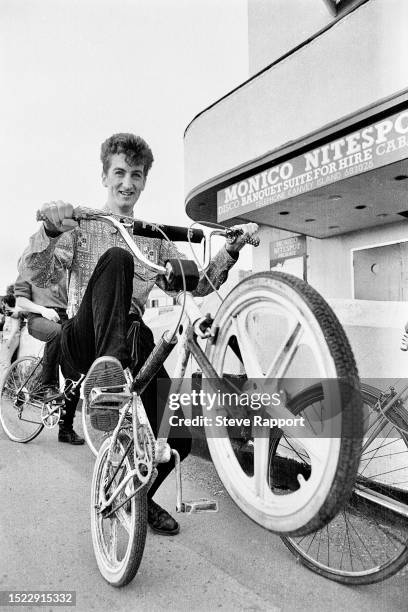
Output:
x,y
218,561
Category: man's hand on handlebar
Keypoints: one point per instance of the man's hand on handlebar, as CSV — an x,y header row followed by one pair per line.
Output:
x,y
58,217
248,234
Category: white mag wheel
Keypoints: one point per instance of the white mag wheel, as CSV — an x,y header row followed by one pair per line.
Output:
x,y
282,330
119,540
21,400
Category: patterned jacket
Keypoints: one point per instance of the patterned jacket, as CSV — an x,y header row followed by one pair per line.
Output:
x,y
80,249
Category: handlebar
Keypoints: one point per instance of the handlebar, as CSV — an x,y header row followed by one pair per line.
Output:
x,y
151,230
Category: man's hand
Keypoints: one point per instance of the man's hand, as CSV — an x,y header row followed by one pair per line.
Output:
x,y
249,230
58,217
50,314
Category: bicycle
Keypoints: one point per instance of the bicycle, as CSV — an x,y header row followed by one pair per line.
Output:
x,y
368,540
304,338
23,411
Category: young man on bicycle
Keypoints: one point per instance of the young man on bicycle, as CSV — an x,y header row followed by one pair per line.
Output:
x,y
47,311
108,290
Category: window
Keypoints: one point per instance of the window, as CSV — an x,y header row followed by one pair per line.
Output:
x,y
381,273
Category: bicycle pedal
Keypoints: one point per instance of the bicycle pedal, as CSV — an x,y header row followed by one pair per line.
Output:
x,y
199,505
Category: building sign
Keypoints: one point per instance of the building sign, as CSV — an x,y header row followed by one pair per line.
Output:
x,y
289,247
371,147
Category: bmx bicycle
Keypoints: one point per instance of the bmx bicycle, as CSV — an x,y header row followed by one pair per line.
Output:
x,y
271,326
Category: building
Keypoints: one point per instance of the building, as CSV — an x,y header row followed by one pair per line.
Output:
x,y
314,147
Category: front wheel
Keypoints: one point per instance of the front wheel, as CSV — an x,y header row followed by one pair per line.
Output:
x,y
274,329
118,540
21,400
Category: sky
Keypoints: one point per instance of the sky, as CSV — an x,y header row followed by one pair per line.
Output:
x,y
73,72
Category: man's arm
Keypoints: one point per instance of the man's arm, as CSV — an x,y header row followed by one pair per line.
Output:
x,y
28,306
24,294
50,249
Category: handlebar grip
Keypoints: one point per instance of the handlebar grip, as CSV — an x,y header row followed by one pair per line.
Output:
x,y
253,241
80,212
174,232
232,234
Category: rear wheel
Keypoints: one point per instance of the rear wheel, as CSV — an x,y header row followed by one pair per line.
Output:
x,y
21,399
118,540
274,329
368,540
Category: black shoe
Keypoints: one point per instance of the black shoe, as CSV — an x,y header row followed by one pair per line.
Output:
x,y
69,436
160,520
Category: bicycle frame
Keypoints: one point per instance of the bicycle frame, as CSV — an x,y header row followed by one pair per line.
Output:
x,y
198,326
187,346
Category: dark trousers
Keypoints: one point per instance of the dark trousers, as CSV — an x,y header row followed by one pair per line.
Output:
x,y
101,327
49,332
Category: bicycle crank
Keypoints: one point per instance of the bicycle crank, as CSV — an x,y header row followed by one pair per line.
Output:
x,y
51,415
192,506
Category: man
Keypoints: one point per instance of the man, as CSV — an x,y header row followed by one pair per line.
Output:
x,y
108,290
46,308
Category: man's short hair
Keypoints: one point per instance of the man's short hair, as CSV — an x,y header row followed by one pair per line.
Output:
x,y
135,149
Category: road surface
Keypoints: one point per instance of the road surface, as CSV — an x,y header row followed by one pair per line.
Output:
x,y
218,561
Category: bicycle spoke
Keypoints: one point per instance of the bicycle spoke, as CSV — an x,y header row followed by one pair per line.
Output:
x,y
362,542
113,540
302,456
370,450
19,412
316,448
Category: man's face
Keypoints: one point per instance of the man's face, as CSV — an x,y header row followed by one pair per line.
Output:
x,y
124,183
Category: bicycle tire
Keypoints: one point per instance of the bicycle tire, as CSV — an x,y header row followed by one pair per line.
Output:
x,y
94,438
132,518
274,303
16,417
355,559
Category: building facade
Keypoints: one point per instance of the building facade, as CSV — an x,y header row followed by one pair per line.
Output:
x,y
313,147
